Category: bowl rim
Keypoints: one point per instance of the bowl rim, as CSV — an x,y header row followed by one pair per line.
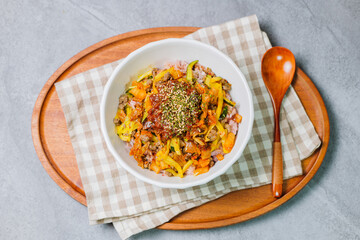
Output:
x,y
123,163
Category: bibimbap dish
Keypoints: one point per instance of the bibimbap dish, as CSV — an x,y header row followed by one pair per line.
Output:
x,y
179,120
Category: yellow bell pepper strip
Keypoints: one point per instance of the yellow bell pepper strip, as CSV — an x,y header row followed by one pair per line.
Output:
x,y
128,90
175,143
215,79
171,171
154,139
163,165
123,136
154,90
218,87
204,130
207,134
196,135
202,170
231,103
174,164
163,153
229,142
145,75
147,107
159,76
208,81
128,110
144,116
221,129
176,74
215,144
189,73
187,165
125,129
199,141
167,147
220,99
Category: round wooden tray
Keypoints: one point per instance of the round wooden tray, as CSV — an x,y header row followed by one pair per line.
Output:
x,y
53,145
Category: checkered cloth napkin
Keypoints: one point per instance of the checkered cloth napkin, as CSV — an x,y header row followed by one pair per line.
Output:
x,y
113,195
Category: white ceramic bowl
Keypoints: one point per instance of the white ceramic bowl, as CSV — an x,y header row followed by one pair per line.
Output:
x,y
156,54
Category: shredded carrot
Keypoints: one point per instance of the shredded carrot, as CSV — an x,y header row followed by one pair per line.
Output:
x,y
135,113
200,89
229,143
176,74
204,162
220,157
238,118
121,115
206,153
191,147
147,133
212,117
138,92
202,170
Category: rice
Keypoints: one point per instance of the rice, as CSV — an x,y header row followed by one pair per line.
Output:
x,y
233,126
231,112
199,75
181,66
190,170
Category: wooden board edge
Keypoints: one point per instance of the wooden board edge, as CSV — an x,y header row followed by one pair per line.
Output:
x,y
35,124
35,131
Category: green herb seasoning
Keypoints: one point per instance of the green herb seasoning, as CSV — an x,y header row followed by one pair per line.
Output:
x,y
180,108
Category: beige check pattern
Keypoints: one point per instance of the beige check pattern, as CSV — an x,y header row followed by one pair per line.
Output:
x,y
133,206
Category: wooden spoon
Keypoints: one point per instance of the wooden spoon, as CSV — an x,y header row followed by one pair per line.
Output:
x,y
277,69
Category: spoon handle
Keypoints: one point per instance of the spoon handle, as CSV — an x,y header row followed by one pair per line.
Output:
x,y
277,170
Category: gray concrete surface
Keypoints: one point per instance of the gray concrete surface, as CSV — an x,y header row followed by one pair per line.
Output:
x,y
36,37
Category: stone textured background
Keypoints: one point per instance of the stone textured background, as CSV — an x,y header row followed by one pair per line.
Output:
x,y
37,37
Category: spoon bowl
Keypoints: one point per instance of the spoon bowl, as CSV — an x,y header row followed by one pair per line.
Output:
x,y
277,69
